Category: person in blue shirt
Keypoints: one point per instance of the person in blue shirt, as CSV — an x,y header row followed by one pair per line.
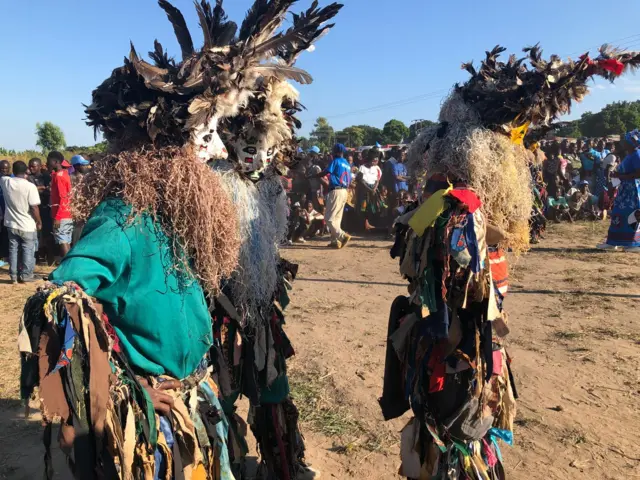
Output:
x,y
590,159
400,173
339,172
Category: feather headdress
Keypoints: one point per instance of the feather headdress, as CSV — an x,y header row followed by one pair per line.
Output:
x,y
161,102
511,94
271,111
485,122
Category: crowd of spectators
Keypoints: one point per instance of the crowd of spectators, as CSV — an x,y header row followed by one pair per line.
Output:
x,y
573,180
377,191
36,213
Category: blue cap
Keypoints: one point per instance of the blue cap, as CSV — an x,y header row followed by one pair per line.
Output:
x,y
314,149
584,182
79,160
633,138
339,148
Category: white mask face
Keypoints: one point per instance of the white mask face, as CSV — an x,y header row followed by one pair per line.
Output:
x,y
209,145
254,155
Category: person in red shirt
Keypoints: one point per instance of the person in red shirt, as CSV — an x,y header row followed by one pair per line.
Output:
x,y
60,196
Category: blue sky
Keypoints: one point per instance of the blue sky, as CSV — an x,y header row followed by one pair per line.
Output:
x,y
400,56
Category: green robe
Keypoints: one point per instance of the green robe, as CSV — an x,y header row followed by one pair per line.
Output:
x,y
160,316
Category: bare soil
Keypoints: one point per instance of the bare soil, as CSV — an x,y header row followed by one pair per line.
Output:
x,y
575,338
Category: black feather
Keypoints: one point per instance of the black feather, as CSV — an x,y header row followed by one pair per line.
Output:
x,y
224,30
179,27
205,15
268,18
149,102
257,10
512,93
161,58
308,27
469,68
217,29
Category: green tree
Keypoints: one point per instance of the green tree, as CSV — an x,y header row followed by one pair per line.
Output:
x,y
571,130
4,151
371,135
98,147
395,131
591,124
50,137
620,117
322,135
614,119
351,136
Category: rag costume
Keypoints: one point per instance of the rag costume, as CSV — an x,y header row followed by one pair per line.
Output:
x,y
252,346
141,299
446,358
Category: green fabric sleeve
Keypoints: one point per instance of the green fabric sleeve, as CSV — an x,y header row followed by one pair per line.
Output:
x,y
99,262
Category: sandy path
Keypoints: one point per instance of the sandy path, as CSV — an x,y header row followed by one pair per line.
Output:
x,y
575,338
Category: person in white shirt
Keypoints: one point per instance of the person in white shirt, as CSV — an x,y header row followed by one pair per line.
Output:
x,y
371,173
22,220
369,176
313,220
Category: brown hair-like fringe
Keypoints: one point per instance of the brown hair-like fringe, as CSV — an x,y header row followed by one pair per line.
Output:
x,y
184,195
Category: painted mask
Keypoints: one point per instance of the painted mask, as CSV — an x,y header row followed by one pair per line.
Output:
x,y
254,154
209,145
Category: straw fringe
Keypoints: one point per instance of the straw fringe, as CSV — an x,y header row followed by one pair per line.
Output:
x,y
488,162
181,193
262,225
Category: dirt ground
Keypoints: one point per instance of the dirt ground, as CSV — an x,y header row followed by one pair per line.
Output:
x,y
575,339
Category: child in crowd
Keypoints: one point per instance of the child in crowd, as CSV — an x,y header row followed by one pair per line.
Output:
x,y
304,223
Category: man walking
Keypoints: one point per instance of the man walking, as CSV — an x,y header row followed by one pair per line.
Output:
x,y
60,209
22,220
339,172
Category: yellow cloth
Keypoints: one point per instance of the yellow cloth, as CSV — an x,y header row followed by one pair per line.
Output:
x,y
200,473
429,211
518,133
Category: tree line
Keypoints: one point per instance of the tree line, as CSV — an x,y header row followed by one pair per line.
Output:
x,y
394,131
615,119
50,137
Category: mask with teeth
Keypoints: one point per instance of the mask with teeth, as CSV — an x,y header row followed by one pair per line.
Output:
x,y
207,141
253,155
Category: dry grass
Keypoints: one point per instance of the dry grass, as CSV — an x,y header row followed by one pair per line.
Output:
x,y
322,410
567,335
527,422
605,332
573,436
597,333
